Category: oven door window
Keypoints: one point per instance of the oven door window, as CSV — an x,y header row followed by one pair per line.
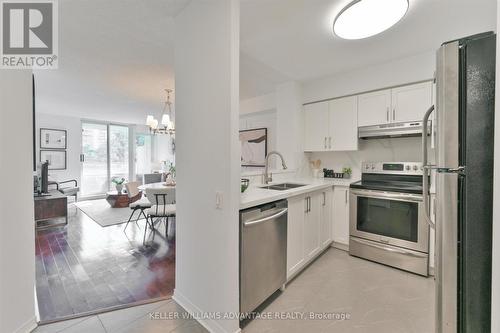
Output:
x,y
390,218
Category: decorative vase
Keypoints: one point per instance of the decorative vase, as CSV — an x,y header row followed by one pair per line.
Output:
x,y
119,188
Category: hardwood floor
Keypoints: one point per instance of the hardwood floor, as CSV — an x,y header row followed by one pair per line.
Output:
x,y
83,267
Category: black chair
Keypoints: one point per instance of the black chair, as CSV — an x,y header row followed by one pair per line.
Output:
x,y
140,205
162,210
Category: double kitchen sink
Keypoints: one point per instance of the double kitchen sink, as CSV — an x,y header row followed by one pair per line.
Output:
x,y
282,187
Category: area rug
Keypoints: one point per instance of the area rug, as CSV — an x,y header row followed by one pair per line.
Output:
x,y
101,212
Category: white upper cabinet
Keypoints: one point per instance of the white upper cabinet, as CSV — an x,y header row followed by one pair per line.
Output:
x,y
343,124
409,103
406,103
316,126
374,108
331,126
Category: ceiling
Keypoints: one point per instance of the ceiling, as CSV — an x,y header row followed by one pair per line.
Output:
x,y
115,60
294,37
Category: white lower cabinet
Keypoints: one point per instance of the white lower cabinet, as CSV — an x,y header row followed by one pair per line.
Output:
x,y
311,225
309,228
341,215
325,236
295,258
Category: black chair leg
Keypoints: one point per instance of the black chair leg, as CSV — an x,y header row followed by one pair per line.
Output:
x,y
145,231
139,216
129,219
143,214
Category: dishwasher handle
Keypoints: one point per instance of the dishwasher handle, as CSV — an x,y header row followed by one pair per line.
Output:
x,y
267,218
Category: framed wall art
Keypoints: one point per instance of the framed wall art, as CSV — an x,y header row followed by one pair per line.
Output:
x,y
53,138
253,147
56,158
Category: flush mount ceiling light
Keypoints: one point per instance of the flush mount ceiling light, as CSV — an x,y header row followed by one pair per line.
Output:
x,y
366,18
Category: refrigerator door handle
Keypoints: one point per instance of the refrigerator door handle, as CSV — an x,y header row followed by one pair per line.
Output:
x,y
427,167
460,169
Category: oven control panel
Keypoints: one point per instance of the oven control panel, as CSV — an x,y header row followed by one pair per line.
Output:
x,y
397,168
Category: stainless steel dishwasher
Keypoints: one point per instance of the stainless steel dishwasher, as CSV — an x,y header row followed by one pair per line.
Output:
x,y
263,232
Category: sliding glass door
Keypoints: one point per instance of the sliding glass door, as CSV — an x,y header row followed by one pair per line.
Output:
x,y
118,152
94,158
105,154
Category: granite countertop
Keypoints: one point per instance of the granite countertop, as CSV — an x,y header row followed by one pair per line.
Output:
x,y
255,195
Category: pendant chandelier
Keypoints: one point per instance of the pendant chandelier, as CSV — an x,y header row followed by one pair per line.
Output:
x,y
166,126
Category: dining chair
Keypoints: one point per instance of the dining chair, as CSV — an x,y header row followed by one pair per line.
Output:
x,y
140,205
162,209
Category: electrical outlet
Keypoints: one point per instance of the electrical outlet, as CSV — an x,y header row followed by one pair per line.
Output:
x,y
218,200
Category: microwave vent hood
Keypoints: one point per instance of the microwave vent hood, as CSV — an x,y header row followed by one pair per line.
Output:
x,y
393,130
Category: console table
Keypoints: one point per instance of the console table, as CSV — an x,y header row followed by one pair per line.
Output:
x,y
50,206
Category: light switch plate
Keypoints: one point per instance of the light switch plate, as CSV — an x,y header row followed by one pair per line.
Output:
x,y
219,200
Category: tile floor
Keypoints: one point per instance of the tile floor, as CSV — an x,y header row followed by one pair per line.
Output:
x,y
83,267
377,298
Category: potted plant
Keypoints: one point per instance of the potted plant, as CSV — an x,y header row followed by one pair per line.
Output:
x,y
171,169
347,172
118,183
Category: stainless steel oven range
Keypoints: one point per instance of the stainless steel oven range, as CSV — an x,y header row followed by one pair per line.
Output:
x,y
387,221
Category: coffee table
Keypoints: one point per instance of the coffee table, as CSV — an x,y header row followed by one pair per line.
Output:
x,y
120,200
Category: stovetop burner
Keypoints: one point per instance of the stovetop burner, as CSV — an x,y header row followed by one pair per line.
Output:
x,y
402,177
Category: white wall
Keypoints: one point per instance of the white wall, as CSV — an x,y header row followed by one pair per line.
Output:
x,y
17,241
73,126
290,125
208,159
412,69
495,295
258,104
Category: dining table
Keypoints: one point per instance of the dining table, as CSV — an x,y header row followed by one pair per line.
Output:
x,y
158,185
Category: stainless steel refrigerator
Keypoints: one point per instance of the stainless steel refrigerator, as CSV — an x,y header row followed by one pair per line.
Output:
x,y
465,80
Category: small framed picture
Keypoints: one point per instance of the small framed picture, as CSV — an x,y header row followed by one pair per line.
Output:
x,y
253,147
56,158
52,138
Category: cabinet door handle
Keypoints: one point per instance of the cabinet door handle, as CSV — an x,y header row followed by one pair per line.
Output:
x,y
307,205
394,114
387,114
346,197
330,142
324,198
325,142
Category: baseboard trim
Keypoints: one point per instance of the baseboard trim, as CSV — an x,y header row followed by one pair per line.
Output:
x,y
28,326
211,325
340,246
